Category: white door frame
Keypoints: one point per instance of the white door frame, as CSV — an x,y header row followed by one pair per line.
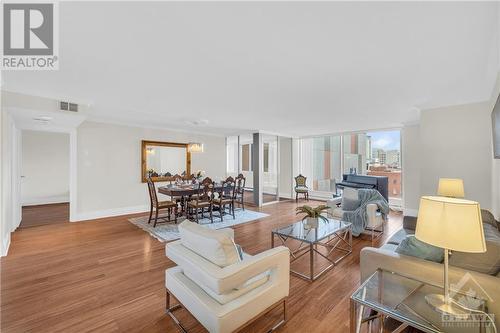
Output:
x,y
73,211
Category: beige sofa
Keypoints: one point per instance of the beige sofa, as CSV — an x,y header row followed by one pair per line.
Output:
x,y
485,285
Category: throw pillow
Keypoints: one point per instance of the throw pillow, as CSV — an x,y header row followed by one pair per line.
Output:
x,y
217,246
487,262
350,204
411,246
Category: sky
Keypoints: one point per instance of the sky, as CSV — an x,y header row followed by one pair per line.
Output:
x,y
387,140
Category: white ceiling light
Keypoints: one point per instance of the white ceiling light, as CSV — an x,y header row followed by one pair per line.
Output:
x,y
195,147
198,122
43,119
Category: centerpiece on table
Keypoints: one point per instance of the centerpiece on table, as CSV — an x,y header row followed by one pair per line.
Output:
x,y
312,215
199,174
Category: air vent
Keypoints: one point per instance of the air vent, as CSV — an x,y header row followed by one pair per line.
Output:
x,y
67,106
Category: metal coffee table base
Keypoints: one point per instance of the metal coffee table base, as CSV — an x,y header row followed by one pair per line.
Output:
x,y
342,241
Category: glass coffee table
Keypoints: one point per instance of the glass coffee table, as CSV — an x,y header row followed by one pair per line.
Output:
x,y
330,234
389,295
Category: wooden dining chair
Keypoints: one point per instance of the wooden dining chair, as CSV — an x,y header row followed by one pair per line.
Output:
x,y
189,178
240,190
204,200
225,197
156,205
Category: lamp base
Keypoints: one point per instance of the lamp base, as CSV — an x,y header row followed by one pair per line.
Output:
x,y
438,303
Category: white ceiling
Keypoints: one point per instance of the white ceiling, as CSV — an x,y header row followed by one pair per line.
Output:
x,y
296,68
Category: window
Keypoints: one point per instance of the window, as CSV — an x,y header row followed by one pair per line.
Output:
x,y
384,159
321,163
232,156
246,157
266,157
355,153
323,160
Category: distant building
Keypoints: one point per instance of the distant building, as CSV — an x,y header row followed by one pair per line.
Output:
x,y
394,176
369,155
379,156
392,158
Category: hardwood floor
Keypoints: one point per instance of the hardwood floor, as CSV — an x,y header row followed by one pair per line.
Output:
x,y
45,214
108,275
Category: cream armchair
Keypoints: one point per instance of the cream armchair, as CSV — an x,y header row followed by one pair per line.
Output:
x,y
222,290
375,222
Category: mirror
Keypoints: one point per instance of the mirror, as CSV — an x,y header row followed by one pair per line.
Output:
x,y
164,160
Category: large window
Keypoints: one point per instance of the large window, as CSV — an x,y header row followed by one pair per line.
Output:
x,y
323,160
321,163
385,160
354,153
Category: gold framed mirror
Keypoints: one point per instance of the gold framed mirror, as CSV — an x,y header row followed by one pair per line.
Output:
x,y
164,160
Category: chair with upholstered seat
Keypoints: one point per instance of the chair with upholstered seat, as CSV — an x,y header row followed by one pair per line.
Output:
x,y
349,202
226,197
240,190
159,205
301,187
202,201
223,288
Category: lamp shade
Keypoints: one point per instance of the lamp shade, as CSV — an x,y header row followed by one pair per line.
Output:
x,y
451,187
451,223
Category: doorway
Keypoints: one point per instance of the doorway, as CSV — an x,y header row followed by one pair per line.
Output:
x,y
45,178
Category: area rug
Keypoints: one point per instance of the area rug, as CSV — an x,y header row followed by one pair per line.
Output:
x,y
167,231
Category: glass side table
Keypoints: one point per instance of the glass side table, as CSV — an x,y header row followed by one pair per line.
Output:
x,y
332,234
392,295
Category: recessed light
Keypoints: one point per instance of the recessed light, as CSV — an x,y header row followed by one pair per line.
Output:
x,y
44,119
198,122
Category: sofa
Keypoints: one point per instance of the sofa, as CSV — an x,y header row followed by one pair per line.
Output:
x,y
484,279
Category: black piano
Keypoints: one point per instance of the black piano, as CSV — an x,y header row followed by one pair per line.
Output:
x,y
379,183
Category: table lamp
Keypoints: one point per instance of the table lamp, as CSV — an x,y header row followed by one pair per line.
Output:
x,y
451,187
452,224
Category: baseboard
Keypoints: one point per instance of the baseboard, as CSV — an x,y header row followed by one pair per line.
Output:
x,y
5,246
410,212
286,196
98,214
45,201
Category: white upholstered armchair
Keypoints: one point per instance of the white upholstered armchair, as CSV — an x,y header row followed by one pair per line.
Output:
x,y
223,288
375,222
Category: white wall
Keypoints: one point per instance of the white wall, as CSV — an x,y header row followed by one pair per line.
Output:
x,y
109,166
452,142
45,167
496,188
456,143
410,142
10,213
495,166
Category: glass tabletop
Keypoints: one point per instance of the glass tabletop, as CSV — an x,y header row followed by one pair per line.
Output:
x,y
312,233
404,299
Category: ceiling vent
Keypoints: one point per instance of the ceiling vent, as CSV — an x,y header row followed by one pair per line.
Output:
x,y
67,106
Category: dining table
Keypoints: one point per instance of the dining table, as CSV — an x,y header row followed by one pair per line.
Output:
x,y
185,191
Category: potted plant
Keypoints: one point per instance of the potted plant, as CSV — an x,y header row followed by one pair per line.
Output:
x,y
312,214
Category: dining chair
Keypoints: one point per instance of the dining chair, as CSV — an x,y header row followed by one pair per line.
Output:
x,y
156,205
301,187
226,197
240,190
203,200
